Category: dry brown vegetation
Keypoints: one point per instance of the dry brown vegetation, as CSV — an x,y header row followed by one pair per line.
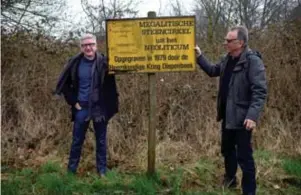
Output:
x,y
36,125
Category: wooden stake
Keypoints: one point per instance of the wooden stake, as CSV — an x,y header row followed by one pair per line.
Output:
x,y
152,117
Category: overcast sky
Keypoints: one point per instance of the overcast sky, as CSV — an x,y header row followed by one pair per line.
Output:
x,y
145,6
76,17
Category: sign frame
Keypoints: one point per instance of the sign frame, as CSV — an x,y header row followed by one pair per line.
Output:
x,y
147,18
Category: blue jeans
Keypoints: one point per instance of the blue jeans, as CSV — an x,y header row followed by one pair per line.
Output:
x,y
79,133
237,149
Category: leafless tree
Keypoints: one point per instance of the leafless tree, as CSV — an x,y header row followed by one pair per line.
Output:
x,y
177,8
98,12
215,16
260,13
30,14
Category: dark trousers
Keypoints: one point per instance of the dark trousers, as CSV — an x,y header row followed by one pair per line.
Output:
x,y
79,132
237,149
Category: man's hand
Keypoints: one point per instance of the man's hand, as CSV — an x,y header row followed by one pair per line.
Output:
x,y
198,51
249,124
77,106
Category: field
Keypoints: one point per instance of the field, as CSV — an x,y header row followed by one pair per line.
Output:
x,y
276,175
36,129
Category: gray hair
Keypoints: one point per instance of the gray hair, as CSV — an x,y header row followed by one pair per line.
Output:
x,y
87,36
242,33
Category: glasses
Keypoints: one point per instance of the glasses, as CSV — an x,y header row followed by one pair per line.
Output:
x,y
88,45
229,40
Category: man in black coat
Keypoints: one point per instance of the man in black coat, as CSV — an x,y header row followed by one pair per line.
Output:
x,y
92,95
241,97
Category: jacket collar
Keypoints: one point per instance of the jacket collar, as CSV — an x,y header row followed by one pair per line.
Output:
x,y
243,56
80,55
242,59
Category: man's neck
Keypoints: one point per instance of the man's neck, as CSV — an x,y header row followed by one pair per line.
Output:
x,y
90,57
236,53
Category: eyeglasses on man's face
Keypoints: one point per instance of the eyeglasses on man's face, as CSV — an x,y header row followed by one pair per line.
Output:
x,y
230,40
88,45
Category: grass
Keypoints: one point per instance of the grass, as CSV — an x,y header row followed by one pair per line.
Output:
x,y
292,167
199,178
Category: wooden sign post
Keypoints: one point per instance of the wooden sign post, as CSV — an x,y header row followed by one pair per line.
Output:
x,y
151,156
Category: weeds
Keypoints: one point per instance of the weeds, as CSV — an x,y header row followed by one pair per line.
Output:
x,y
42,181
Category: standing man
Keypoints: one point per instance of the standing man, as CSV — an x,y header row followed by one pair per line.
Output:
x,y
91,92
241,97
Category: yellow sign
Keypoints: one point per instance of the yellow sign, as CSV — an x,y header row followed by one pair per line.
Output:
x,y
162,44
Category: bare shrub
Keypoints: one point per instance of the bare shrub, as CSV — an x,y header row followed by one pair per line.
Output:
x,y
35,124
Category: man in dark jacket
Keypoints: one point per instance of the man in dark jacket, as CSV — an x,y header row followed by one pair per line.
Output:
x,y
241,97
91,92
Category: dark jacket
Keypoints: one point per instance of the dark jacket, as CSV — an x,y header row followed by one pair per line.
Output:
x,y
103,101
247,88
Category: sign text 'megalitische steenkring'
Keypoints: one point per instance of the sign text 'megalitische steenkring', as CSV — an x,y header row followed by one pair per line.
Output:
x,y
151,45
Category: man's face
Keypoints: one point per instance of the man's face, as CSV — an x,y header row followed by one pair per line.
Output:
x,y
88,47
232,43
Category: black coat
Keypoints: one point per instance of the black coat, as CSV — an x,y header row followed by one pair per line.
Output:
x,y
103,101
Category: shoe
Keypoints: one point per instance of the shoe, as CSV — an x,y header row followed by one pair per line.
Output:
x,y
249,193
71,172
229,182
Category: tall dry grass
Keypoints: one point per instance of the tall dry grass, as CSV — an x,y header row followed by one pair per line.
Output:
x,y
36,125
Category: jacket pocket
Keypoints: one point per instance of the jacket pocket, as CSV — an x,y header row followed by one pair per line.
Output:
x,y
244,104
241,108
73,111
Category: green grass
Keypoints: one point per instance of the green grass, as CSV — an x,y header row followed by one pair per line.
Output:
x,y
175,181
201,178
263,155
50,167
205,170
53,183
292,167
11,186
144,185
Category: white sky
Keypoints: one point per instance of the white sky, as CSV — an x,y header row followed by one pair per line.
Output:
x,y
76,17
143,7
